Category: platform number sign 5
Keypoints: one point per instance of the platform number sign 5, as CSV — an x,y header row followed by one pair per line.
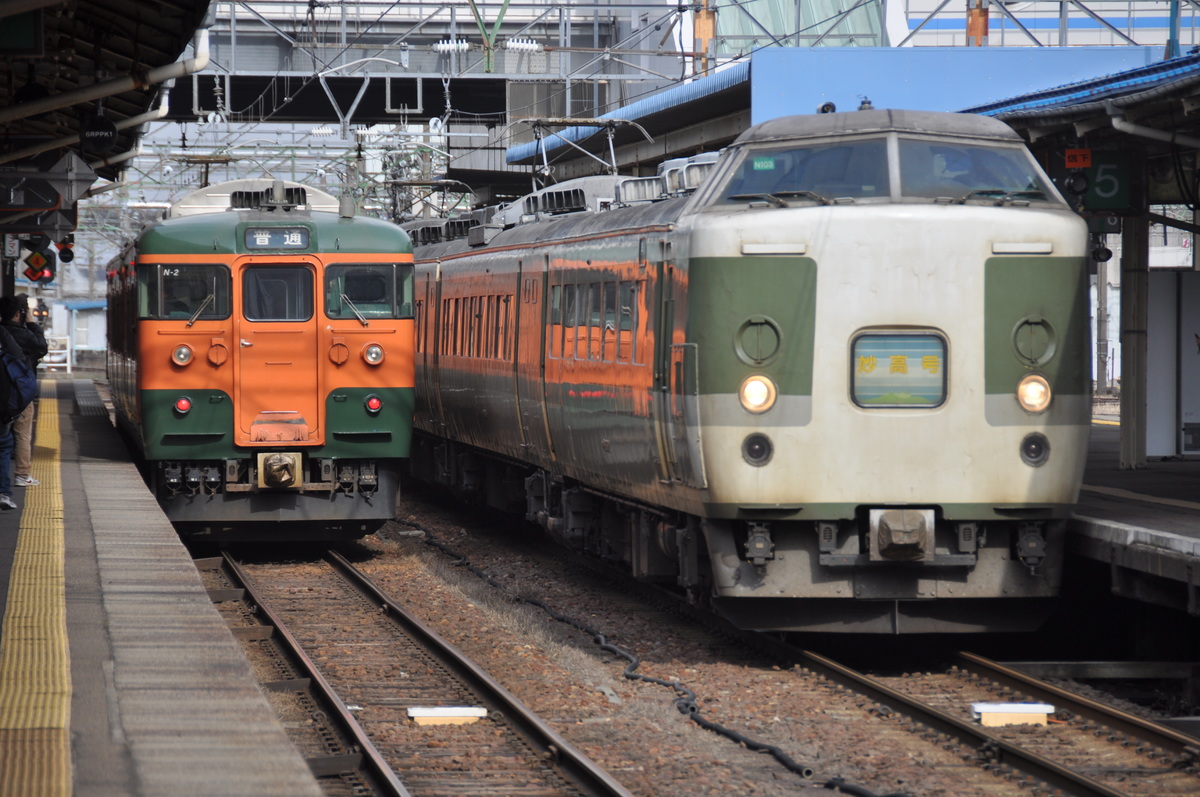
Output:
x,y
1113,185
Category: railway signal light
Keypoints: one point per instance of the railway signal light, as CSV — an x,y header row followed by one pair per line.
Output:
x,y
66,251
40,267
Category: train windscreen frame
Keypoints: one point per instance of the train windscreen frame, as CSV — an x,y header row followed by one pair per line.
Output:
x,y
368,290
180,291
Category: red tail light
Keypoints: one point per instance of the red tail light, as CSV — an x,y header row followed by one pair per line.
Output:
x,y
182,405
373,404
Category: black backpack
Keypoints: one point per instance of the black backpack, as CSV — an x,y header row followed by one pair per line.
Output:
x,y
18,382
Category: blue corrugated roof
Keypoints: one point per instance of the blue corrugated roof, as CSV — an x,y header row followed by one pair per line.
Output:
x,y
1185,69
696,90
85,304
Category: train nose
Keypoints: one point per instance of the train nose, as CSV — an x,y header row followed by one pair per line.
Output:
x,y
902,535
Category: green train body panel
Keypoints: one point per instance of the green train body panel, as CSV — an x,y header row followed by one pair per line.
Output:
x,y
206,432
1054,328
328,232
778,296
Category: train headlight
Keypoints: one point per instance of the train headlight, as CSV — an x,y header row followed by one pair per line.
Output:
x,y
1033,393
182,355
183,405
373,404
373,353
757,394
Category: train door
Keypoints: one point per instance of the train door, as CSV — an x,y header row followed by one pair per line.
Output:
x,y
277,397
429,388
676,410
532,275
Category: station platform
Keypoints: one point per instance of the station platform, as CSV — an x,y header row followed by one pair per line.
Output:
x,y
1144,523
117,674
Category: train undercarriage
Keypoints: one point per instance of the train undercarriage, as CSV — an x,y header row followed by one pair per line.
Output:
x,y
887,570
277,495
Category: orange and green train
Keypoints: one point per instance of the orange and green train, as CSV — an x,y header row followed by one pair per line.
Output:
x,y
261,360
837,379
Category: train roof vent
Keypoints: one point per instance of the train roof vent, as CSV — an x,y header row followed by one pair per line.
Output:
x,y
459,227
248,193
640,189
265,200
694,174
482,234
683,175
572,200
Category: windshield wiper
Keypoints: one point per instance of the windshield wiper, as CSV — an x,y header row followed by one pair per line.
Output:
x,y
207,300
1001,195
776,197
769,198
813,195
354,309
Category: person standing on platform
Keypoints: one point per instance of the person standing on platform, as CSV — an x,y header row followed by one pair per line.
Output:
x,y
14,316
6,436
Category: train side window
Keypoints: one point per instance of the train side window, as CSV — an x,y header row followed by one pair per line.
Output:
x,y
277,293
178,292
626,326
596,322
570,320
610,322
556,321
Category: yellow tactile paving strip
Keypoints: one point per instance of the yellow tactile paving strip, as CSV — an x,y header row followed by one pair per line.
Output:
x,y
35,663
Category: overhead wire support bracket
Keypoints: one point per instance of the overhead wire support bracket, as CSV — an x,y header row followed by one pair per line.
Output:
x,y
541,124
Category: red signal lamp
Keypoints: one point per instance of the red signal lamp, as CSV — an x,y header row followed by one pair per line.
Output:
x,y
183,405
373,404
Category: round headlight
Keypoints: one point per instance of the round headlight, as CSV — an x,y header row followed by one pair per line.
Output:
x,y
757,394
373,353
1033,393
182,354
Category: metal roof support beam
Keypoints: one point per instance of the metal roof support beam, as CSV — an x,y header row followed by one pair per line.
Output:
x,y
70,141
998,4
924,22
108,88
842,17
1104,21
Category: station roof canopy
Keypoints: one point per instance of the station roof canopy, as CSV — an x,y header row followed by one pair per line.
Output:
x,y
68,63
1158,104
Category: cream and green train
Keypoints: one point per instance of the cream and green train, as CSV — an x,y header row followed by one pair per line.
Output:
x,y
836,379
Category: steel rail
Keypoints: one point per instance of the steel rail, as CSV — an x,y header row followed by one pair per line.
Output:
x,y
1186,748
372,761
574,765
989,746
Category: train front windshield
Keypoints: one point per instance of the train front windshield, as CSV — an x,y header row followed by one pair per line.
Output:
x,y
861,170
369,290
183,291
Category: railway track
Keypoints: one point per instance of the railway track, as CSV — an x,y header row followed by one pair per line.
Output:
x,y
1089,750
400,698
